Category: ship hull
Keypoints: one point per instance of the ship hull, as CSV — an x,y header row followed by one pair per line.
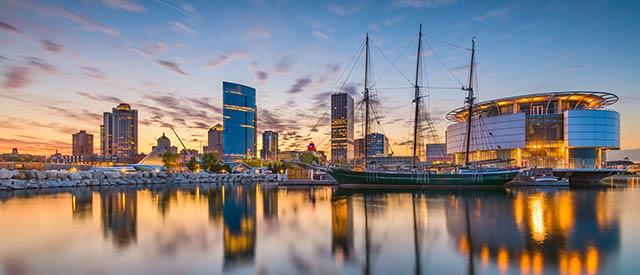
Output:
x,y
386,179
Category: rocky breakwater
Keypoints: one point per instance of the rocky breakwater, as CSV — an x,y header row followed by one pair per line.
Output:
x,y
34,179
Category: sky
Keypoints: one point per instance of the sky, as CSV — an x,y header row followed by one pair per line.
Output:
x,y
64,63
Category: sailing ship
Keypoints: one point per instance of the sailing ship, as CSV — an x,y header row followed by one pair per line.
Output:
x,y
468,175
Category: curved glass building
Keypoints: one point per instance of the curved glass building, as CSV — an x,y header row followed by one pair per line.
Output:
x,y
239,121
571,129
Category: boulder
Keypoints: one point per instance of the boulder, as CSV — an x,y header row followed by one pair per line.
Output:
x,y
75,176
85,175
40,175
5,174
51,174
63,175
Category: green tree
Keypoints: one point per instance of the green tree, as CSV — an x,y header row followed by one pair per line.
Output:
x,y
308,157
193,165
208,162
170,160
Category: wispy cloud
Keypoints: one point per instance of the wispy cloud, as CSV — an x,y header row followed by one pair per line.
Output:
x,y
419,4
181,28
172,66
257,32
50,45
86,22
99,97
94,72
126,5
283,65
343,9
40,64
8,27
223,58
320,34
17,77
299,85
500,13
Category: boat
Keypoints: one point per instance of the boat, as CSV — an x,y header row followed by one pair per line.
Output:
x,y
469,175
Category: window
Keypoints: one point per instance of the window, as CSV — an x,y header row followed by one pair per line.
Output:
x,y
537,110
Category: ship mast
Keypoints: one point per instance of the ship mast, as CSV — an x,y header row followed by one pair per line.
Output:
x,y
470,100
416,100
366,102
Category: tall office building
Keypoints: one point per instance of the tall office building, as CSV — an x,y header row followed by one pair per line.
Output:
x,y
82,144
239,121
214,141
119,132
341,127
269,145
378,146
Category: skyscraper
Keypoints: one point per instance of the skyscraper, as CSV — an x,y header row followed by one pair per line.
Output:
x,y
378,146
239,121
82,144
341,127
215,141
119,132
269,145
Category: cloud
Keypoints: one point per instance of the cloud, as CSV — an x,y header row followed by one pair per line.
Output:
x,y
77,116
50,45
8,27
17,77
342,10
501,13
94,72
261,75
419,4
35,146
99,97
172,66
153,48
284,64
320,34
126,5
226,57
88,23
41,64
258,31
181,28
299,85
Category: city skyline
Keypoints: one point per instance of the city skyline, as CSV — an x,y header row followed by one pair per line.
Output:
x,y
64,64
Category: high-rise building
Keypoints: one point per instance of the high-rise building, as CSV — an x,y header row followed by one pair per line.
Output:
x,y
378,146
239,121
341,127
214,141
82,144
437,153
119,132
269,145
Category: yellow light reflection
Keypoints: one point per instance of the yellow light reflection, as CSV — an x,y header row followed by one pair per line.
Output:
x,y
518,210
484,255
591,260
463,245
503,260
537,209
525,262
575,265
537,262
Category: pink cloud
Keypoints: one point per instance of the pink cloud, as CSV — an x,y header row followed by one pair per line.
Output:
x,y
17,77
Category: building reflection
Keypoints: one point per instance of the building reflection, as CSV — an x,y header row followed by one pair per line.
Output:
x,y
215,202
342,228
270,204
535,232
239,216
81,204
118,213
163,197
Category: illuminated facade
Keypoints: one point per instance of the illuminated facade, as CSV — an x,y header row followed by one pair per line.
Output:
x,y
557,130
214,141
269,145
239,121
341,128
119,132
82,143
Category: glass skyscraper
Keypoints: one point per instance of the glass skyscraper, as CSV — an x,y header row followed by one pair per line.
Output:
x,y
119,132
341,127
269,145
239,121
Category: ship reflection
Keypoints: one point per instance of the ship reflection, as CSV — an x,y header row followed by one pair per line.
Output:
x,y
533,231
118,213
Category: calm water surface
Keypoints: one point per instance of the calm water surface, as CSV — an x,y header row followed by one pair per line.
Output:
x,y
250,229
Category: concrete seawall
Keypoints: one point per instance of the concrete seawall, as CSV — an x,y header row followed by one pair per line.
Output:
x,y
34,179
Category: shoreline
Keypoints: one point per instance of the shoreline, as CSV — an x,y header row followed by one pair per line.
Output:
x,y
34,179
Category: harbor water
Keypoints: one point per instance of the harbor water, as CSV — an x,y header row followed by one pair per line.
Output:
x,y
266,229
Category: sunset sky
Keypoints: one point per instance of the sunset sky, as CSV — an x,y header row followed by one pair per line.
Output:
x,y
63,63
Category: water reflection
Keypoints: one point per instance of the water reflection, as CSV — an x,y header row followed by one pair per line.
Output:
x,y
257,229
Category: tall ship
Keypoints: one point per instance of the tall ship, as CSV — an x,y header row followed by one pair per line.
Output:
x,y
469,174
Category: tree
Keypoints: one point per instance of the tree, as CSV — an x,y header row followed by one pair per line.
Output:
x,y
308,157
193,164
208,162
170,160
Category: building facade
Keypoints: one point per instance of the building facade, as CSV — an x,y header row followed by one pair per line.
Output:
x,y
270,145
557,129
82,144
378,146
215,141
119,132
342,148
437,153
239,121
